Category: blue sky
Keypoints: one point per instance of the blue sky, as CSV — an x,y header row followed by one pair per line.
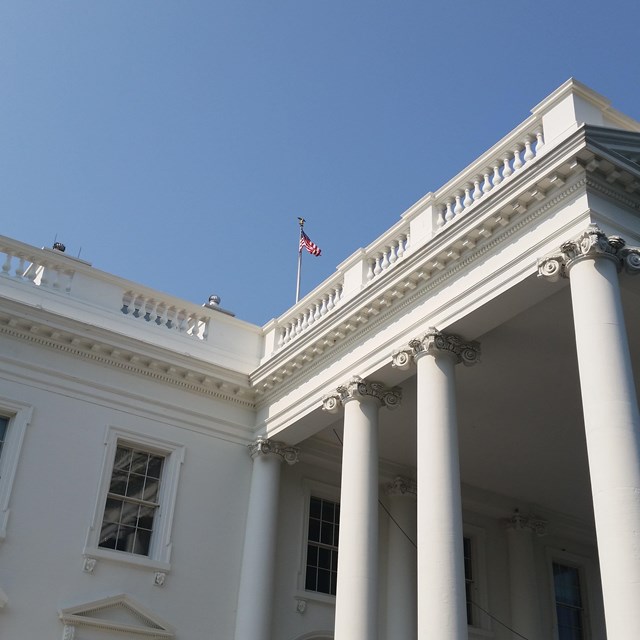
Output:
x,y
175,142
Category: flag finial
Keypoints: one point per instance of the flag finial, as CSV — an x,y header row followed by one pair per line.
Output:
x,y
301,221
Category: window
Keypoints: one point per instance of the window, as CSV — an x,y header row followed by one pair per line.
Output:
x,y
134,511
468,578
14,419
568,598
322,546
132,501
4,423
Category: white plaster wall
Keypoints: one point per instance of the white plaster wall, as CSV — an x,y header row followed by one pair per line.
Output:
x,y
56,485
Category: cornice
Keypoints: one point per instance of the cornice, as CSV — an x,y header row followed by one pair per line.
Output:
x,y
124,359
402,300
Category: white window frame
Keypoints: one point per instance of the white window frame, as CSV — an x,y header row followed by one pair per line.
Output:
x,y
159,558
324,491
585,573
19,415
482,625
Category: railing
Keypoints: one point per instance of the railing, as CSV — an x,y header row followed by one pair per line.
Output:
x,y
43,269
483,177
163,314
54,271
486,174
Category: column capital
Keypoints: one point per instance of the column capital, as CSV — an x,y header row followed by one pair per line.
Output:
x,y
401,486
359,389
519,522
592,243
435,342
265,447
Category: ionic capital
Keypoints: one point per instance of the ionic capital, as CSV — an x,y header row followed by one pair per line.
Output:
x,y
435,343
518,522
401,486
359,389
265,447
592,243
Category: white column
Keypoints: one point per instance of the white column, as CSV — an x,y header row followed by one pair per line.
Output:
x,y
357,587
441,585
402,580
611,417
525,602
254,613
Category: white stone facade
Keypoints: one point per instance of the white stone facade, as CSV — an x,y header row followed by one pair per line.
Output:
x,y
221,459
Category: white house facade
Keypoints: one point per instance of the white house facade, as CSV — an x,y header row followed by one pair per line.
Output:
x,y
441,441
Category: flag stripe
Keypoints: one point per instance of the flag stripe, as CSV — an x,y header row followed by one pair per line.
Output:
x,y
311,247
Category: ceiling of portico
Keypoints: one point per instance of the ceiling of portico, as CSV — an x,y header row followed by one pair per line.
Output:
x,y
519,410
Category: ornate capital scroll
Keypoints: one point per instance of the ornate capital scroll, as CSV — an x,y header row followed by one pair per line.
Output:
x,y
434,342
591,243
357,388
518,522
265,447
401,486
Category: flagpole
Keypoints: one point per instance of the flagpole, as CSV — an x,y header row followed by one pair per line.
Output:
x,y
301,223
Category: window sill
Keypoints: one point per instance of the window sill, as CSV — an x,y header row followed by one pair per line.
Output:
x,y
314,596
123,557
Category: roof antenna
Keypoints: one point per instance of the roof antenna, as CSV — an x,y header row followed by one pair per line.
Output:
x,y
79,252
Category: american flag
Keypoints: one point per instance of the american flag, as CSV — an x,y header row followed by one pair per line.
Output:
x,y
311,247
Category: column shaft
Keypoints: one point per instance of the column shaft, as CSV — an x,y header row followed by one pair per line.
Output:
x,y
357,588
254,613
402,597
441,584
525,603
612,425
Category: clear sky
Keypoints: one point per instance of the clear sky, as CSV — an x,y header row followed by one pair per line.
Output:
x,y
175,142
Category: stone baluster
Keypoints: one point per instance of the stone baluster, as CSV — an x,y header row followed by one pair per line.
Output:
x,y
477,191
384,265
528,151
370,274
458,209
497,178
486,185
6,266
401,246
506,166
517,162
468,200
449,213
539,141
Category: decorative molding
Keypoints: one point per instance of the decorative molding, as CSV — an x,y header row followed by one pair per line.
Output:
x,y
126,360
592,243
142,623
427,282
89,564
358,389
401,486
264,446
69,632
301,605
159,578
520,522
436,342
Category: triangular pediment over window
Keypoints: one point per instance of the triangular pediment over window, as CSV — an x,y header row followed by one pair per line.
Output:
x,y
117,613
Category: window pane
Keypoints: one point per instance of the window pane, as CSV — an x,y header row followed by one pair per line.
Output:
x,y
324,581
311,579
322,555
569,612
315,508
128,522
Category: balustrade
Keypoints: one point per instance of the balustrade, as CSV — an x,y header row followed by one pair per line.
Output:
x,y
384,258
43,272
154,311
474,189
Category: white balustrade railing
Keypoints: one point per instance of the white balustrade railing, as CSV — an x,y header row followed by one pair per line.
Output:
x,y
160,313
54,271
384,257
506,162
322,304
42,268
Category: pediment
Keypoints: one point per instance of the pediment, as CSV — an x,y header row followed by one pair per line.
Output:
x,y
118,613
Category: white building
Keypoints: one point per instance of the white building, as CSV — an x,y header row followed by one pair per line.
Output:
x,y
169,471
